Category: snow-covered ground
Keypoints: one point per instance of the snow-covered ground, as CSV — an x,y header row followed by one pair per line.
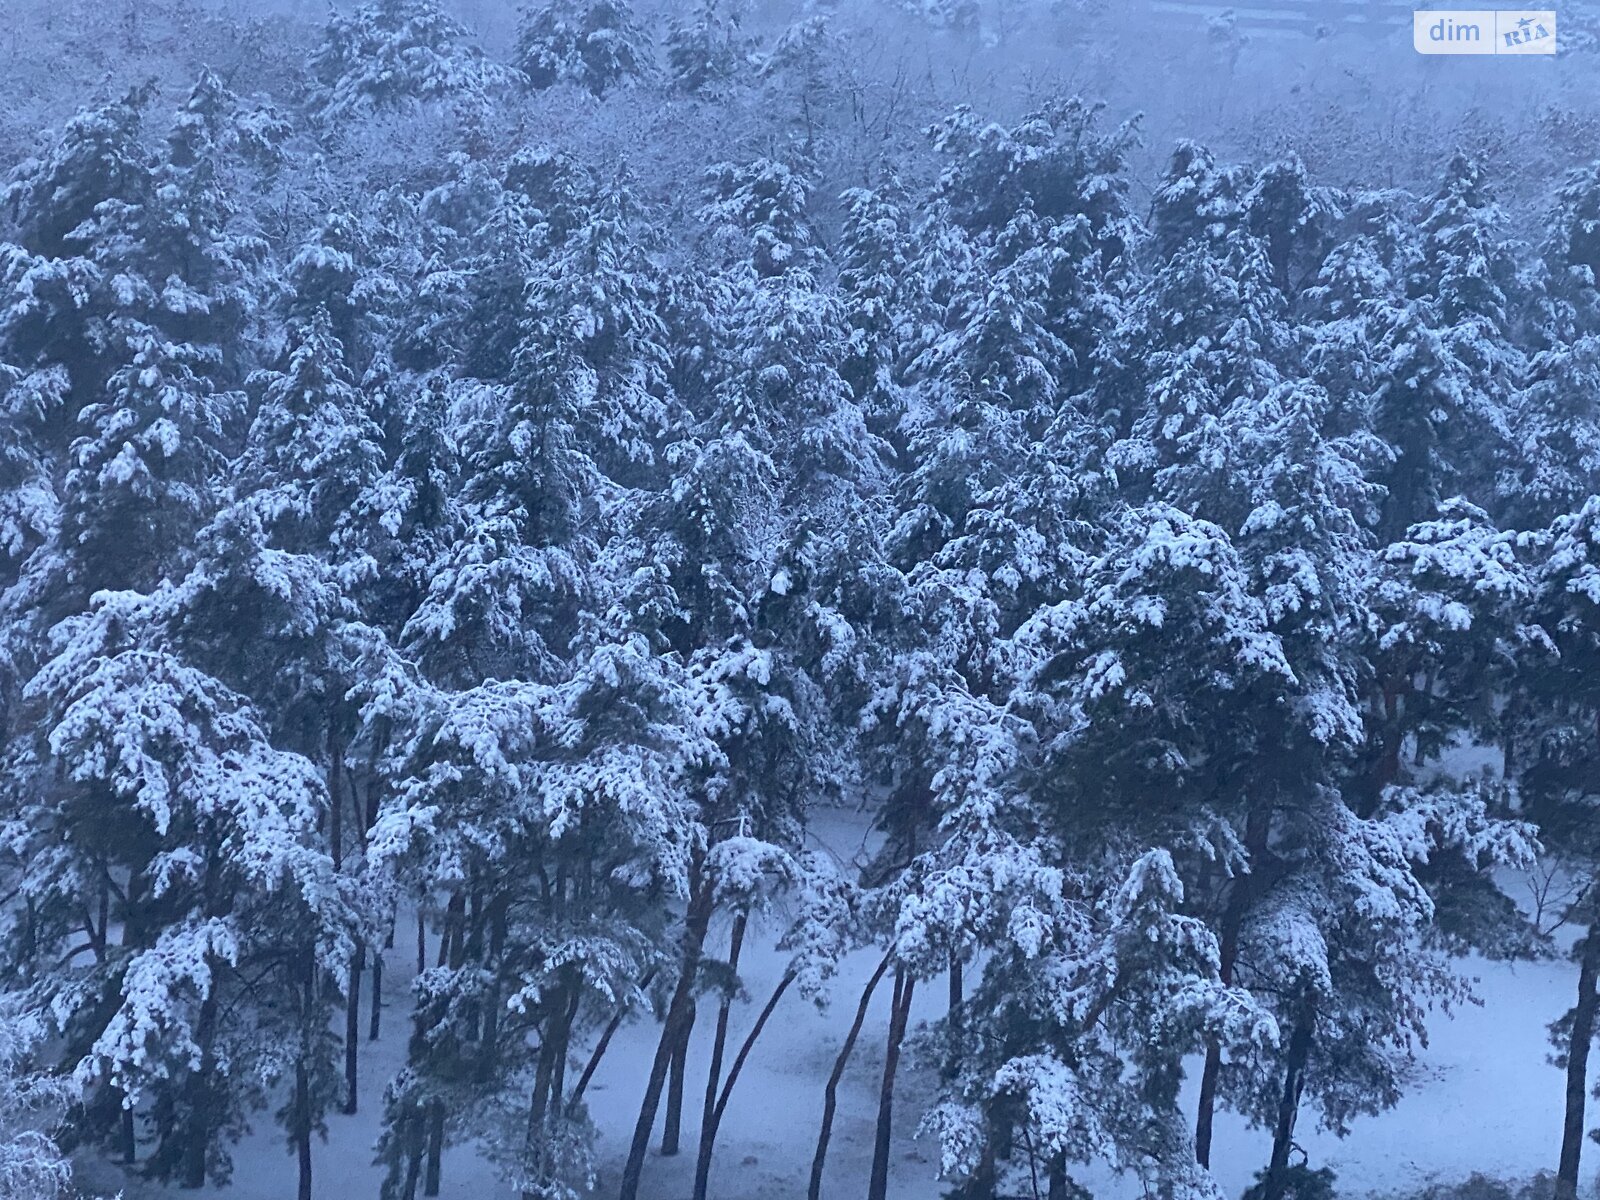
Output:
x,y
1486,1100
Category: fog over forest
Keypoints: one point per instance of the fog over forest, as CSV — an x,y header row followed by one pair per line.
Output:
x,y
773,599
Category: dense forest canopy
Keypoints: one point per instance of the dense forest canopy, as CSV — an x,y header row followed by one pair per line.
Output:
x,y
503,474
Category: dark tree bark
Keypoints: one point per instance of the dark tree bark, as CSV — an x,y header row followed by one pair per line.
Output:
x,y
713,1122
489,1057
1058,1178
1578,1045
452,952
300,1119
677,1070
302,1130
679,1012
377,997
1257,826
130,1140
352,1028
952,1065
830,1097
539,1104
414,1139
434,1168
904,987
719,1041
1289,1104
336,806
198,1119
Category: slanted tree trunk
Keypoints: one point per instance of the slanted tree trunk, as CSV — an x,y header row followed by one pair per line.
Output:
x,y
713,1121
679,1013
1294,1075
1578,1044
677,1070
904,986
830,1096
719,1041
600,1047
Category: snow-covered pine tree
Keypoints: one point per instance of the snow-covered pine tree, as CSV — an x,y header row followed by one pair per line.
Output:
x,y
705,48
33,1106
98,156
1552,764
389,54
595,44
1295,218
1209,333
203,838
1198,200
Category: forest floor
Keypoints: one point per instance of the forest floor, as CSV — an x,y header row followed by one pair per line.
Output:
x,y
1486,1100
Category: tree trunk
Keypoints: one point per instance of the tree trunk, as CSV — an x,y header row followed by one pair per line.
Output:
x,y
414,1135
538,1108
982,1185
677,1068
679,1012
904,986
198,1118
302,1118
435,1165
713,1121
719,1041
302,1126
953,1018
130,1140
1289,1105
830,1097
1239,892
452,950
489,1056
1581,1039
352,1028
422,941
336,808
377,996
1058,1178
600,1049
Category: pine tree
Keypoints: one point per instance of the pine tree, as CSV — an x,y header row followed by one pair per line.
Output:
x,y
391,54
97,157
595,44
33,1105
1198,201
170,784
705,50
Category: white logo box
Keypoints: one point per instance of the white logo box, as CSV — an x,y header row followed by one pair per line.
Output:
x,y
1484,31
